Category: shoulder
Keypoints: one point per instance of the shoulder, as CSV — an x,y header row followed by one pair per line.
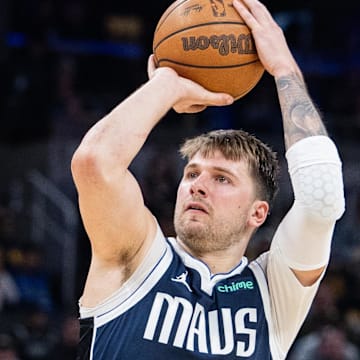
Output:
x,y
158,259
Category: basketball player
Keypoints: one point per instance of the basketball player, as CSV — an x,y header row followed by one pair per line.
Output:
x,y
195,296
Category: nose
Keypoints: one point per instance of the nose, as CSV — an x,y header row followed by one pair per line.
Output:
x,y
198,187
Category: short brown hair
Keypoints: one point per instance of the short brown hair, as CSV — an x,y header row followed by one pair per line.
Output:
x,y
239,145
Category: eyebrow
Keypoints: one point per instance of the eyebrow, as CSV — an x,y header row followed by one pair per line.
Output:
x,y
216,168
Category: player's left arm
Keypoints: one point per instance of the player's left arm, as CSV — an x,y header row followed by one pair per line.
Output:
x,y
300,249
316,176
313,159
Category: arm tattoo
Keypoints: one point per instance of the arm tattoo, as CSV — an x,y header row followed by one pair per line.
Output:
x,y
300,116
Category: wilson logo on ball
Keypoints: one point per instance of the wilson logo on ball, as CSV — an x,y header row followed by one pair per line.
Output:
x,y
208,42
243,44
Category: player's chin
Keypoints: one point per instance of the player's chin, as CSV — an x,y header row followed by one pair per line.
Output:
x,y
191,223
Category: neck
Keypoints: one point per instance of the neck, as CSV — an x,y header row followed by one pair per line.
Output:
x,y
219,261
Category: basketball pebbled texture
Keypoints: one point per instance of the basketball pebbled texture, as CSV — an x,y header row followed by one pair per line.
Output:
x,y
208,42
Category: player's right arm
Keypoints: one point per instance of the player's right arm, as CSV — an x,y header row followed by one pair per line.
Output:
x,y
118,224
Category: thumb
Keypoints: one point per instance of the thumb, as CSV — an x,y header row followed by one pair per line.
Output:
x,y
151,67
217,99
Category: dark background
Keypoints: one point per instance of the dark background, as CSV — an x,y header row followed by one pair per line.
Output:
x,y
65,64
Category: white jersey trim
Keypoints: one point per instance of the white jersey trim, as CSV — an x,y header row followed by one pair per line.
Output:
x,y
259,274
93,343
145,277
208,280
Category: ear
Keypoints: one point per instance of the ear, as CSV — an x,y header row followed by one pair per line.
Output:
x,y
258,213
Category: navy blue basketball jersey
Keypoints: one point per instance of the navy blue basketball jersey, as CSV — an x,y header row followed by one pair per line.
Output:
x,y
179,310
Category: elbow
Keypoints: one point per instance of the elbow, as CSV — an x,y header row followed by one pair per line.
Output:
x,y
319,189
339,207
92,167
334,212
326,210
85,165
334,200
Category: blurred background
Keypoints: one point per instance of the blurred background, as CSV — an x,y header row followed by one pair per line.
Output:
x,y
65,64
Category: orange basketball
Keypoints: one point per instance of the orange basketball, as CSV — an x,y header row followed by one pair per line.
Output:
x,y
208,42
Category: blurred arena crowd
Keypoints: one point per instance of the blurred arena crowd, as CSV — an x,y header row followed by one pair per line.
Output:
x,y
65,64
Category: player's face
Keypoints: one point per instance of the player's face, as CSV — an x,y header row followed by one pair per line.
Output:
x,y
214,201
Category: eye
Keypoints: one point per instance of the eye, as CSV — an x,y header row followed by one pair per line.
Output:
x,y
191,175
222,179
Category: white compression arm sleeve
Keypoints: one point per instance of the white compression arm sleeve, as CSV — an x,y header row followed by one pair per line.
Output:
x,y
304,236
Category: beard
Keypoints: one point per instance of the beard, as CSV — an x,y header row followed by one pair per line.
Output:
x,y
209,235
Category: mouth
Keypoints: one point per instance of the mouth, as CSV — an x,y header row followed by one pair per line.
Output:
x,y
197,207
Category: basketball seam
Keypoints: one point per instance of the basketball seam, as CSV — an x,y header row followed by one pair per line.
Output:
x,y
196,26
207,66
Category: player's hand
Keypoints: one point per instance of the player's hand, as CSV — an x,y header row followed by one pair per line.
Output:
x,y
270,41
190,97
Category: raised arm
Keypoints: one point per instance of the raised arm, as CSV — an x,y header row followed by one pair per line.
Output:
x,y
117,222
310,222
300,117
302,242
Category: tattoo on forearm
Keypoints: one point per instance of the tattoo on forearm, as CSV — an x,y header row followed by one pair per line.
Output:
x,y
300,116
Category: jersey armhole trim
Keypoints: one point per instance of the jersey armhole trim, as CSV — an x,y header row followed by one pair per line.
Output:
x,y
145,277
259,274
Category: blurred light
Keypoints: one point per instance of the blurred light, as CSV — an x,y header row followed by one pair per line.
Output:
x,y
128,50
130,27
15,39
122,49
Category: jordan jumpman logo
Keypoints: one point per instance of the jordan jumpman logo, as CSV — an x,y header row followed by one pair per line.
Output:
x,y
182,279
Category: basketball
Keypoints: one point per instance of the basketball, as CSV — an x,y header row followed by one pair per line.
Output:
x,y
208,42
